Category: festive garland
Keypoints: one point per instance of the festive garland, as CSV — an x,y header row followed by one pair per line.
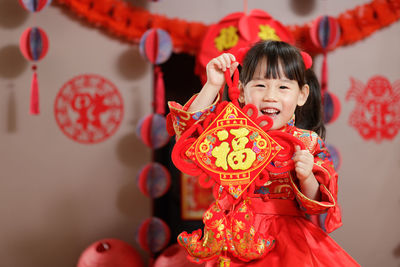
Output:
x,y
128,22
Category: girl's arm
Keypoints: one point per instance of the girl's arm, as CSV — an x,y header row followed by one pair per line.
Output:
x,y
304,162
215,80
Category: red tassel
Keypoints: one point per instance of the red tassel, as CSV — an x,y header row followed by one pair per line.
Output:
x,y
159,91
34,109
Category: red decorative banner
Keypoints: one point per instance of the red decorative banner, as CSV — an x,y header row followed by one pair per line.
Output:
x,y
88,108
195,199
377,112
233,150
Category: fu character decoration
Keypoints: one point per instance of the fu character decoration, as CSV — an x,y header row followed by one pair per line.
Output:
x,y
34,45
234,147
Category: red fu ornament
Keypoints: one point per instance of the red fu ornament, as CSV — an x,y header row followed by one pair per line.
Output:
x,y
34,45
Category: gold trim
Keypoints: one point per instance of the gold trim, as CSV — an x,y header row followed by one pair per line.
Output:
x,y
311,200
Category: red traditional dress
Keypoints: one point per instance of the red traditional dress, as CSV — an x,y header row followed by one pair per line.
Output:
x,y
298,224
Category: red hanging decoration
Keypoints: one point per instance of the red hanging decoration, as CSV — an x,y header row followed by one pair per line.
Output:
x,y
238,30
34,45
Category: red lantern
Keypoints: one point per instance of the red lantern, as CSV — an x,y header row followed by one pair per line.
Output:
x,y
34,5
34,45
110,253
238,30
153,235
154,180
152,130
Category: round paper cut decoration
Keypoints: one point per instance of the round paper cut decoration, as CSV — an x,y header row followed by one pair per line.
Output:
x,y
325,32
88,109
154,180
153,235
152,130
336,157
156,46
110,253
34,5
34,44
332,107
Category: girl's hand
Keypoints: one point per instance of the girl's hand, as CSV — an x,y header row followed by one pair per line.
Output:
x,y
303,162
216,68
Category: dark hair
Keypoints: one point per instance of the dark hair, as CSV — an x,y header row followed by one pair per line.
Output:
x,y
278,53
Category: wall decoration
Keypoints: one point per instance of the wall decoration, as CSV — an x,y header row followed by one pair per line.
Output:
x,y
153,235
235,31
88,108
110,252
195,199
129,23
34,45
154,180
376,115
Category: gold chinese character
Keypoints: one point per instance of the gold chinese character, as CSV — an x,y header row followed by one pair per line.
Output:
x,y
227,38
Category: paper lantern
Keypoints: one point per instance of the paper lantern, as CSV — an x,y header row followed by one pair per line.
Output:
x,y
332,107
156,46
154,180
152,131
34,45
34,5
238,30
336,157
153,235
325,34
110,253
176,256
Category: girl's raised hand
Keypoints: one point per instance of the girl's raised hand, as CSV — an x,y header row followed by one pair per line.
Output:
x,y
303,162
217,66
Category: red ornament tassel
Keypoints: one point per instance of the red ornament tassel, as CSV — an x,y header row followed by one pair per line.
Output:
x,y
324,74
34,108
159,91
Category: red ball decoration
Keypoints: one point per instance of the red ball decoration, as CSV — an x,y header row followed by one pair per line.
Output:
x,y
153,235
156,46
34,5
175,255
152,130
332,107
325,32
110,253
34,44
154,180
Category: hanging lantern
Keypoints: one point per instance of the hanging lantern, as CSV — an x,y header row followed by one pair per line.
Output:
x,y
34,45
34,5
332,107
154,180
156,46
153,235
325,34
152,130
336,157
110,253
238,30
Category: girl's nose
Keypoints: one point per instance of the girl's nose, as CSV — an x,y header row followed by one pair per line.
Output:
x,y
269,96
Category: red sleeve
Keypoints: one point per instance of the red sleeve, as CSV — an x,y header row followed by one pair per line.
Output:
x,y
179,119
327,209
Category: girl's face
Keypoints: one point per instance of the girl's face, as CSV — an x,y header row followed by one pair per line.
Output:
x,y
277,98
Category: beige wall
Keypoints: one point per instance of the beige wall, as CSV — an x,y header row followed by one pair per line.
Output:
x,y
58,196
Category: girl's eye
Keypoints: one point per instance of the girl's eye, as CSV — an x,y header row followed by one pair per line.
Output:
x,y
260,85
283,87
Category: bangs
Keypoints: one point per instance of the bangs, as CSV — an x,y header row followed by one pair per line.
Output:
x,y
283,61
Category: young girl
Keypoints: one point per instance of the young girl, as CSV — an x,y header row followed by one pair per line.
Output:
x,y
297,208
